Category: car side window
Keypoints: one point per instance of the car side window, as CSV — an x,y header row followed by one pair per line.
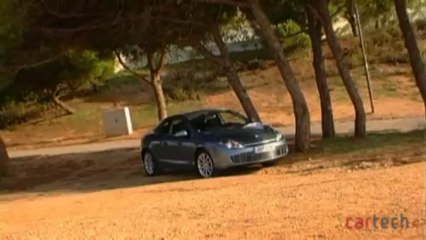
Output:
x,y
178,125
197,123
212,121
233,118
164,128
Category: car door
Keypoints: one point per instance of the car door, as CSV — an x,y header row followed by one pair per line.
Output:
x,y
181,148
158,145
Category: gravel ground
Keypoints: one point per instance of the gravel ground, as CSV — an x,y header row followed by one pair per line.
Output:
x,y
266,204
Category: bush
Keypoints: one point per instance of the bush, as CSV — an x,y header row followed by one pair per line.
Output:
x,y
13,113
181,86
181,93
386,45
257,64
421,26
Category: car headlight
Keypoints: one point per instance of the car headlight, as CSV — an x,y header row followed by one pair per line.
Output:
x,y
279,137
231,144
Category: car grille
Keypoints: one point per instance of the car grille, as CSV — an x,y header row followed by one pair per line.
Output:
x,y
281,150
253,157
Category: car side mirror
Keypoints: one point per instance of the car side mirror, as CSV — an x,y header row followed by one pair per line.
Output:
x,y
182,133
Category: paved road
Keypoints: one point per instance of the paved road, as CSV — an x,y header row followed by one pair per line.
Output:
x,y
342,128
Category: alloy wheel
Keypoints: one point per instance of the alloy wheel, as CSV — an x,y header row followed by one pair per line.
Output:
x,y
205,165
149,164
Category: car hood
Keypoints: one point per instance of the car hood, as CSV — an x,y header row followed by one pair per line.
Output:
x,y
249,134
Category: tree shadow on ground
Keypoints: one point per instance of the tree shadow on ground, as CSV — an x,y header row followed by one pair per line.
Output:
x,y
89,172
115,169
354,161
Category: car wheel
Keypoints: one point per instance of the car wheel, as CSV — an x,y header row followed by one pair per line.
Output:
x,y
205,164
269,164
149,164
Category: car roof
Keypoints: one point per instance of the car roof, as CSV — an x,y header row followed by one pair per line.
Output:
x,y
196,113
193,114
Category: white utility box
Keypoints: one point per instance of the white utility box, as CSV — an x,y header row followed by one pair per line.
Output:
x,y
117,122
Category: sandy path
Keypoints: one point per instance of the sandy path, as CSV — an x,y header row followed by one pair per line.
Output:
x,y
342,128
269,204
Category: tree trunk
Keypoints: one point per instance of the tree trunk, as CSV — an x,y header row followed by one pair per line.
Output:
x,y
301,111
159,95
352,23
156,83
350,16
234,79
418,67
57,101
378,23
4,159
342,66
314,30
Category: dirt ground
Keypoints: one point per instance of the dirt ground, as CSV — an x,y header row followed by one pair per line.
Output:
x,y
105,196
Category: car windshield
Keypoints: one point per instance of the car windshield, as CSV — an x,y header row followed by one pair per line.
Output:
x,y
217,120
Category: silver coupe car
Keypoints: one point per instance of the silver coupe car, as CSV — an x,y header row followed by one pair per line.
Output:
x,y
209,141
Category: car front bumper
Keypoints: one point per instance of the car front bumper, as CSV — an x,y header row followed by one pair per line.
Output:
x,y
225,158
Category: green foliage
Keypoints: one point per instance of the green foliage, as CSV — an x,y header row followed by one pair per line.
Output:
x,y
292,36
72,69
14,112
378,12
29,93
237,28
88,66
10,29
280,11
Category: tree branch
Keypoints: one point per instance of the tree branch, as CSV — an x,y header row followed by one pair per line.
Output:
x,y
150,60
205,52
224,52
235,3
317,16
180,21
161,61
129,69
56,14
93,26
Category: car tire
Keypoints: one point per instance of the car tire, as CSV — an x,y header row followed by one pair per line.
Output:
x,y
204,164
269,164
150,164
